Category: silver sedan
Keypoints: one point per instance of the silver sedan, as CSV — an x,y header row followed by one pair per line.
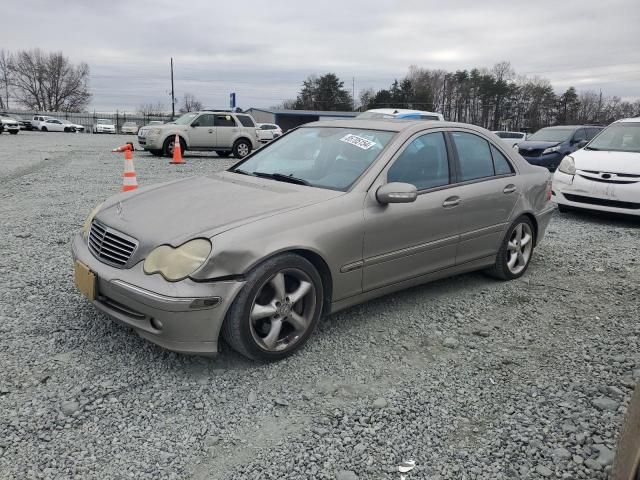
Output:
x,y
329,215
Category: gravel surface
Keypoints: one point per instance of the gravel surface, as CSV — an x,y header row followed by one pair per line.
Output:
x,y
470,377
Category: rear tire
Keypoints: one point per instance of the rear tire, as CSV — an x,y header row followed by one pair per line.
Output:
x,y
223,154
241,148
514,257
277,309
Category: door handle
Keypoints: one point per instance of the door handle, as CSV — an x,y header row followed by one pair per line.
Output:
x,y
451,202
509,188
210,131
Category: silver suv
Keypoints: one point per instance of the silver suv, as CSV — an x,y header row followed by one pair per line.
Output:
x,y
219,131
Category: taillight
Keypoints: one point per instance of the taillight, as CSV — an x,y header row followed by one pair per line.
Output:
x,y
548,196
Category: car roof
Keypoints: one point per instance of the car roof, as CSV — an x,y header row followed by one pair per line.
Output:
x,y
395,111
391,124
629,120
558,127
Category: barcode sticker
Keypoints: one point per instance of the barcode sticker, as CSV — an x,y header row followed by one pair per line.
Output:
x,y
359,142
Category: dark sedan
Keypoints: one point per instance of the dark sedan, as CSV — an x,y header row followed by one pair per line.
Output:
x,y
548,146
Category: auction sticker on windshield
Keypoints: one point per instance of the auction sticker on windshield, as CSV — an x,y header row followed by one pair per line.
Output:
x,y
359,142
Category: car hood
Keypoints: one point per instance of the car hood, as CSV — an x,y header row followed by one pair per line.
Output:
x,y
536,144
607,161
175,212
9,121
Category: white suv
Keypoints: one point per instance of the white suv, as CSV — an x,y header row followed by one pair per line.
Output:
x,y
219,131
38,120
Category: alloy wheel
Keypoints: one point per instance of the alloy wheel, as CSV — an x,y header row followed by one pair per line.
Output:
x,y
243,150
519,248
283,310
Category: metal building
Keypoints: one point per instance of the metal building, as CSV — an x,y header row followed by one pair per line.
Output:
x,y
288,119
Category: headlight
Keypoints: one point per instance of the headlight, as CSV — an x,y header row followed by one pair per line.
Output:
x,y
154,131
567,165
87,223
551,149
177,263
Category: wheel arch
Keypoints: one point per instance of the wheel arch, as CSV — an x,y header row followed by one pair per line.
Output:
x,y
534,222
183,140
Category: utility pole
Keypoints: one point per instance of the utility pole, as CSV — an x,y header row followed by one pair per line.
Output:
x,y
173,98
353,92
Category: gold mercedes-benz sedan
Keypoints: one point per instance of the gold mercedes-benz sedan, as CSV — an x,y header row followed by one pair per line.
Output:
x,y
330,215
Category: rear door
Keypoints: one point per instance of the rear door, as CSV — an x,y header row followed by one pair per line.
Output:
x,y
406,240
202,133
488,189
226,129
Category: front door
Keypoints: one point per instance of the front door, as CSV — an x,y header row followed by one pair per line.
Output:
x,y
406,240
489,190
202,132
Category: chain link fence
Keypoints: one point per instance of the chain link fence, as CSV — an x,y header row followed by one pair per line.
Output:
x,y
88,119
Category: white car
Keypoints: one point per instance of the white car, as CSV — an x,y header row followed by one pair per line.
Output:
x,y
401,113
511,138
54,125
268,131
73,127
605,174
9,124
38,120
104,126
129,127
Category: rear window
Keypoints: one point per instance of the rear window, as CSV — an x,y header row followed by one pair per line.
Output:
x,y
246,120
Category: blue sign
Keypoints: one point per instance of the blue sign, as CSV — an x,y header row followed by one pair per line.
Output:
x,y
232,100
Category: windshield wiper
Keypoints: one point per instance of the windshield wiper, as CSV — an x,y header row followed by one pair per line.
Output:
x,y
281,177
242,172
591,148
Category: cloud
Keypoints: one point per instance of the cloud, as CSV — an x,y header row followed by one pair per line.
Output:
x,y
264,50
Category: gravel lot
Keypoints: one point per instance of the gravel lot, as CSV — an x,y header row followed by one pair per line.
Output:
x,y
469,377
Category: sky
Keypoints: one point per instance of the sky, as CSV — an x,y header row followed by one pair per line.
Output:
x,y
264,49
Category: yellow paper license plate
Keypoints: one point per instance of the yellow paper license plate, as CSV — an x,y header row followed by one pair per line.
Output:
x,y
85,280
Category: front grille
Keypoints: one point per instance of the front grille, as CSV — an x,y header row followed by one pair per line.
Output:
x,y
608,180
602,202
534,152
110,246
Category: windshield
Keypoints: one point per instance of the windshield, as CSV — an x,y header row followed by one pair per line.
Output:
x,y
104,122
619,137
321,157
552,135
185,119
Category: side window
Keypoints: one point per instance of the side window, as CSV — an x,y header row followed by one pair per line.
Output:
x,y
423,163
205,120
474,156
500,164
246,121
579,135
224,121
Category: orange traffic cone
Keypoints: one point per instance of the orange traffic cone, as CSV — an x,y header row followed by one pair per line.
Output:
x,y
129,181
177,152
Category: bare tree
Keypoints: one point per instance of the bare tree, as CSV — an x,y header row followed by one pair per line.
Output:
x,y
5,78
49,81
190,104
151,109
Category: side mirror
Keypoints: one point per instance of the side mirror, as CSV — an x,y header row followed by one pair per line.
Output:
x,y
195,124
396,192
580,143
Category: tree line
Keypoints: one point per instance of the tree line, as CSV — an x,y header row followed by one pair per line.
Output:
x,y
43,81
494,98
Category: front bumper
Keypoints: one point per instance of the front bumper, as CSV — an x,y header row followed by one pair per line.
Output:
x,y
183,316
150,142
550,160
578,192
12,127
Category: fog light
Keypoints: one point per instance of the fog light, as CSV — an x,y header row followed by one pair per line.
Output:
x,y
155,323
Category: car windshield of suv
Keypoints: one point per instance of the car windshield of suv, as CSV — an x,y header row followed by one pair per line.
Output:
x,y
186,119
330,158
552,135
619,137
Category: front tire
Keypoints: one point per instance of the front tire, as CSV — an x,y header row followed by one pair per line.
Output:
x,y
241,148
516,251
167,147
14,132
44,129
277,310
157,153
